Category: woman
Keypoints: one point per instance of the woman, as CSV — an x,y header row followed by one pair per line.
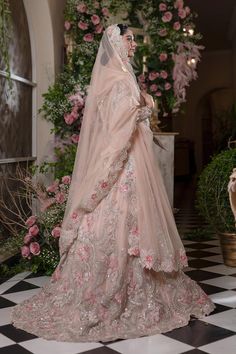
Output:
x,y
120,273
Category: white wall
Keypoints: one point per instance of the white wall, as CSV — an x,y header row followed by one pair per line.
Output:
x,y
45,19
214,71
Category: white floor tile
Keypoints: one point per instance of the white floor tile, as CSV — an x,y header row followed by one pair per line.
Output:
x,y
39,281
150,345
227,345
214,250
187,242
20,276
4,341
5,316
20,296
221,268
213,242
225,282
187,269
227,298
225,319
216,258
42,346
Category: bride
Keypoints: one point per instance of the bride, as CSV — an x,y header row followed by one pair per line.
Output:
x,y
120,272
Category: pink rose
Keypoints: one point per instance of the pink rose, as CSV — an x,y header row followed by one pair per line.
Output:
x,y
74,138
163,74
31,221
82,8
177,26
158,94
153,87
60,197
162,7
143,86
182,13
27,239
167,86
67,25
162,32
56,232
163,57
99,28
179,4
25,251
53,187
66,179
34,230
141,78
187,10
167,17
88,37
153,75
105,12
95,19
34,248
83,25
69,118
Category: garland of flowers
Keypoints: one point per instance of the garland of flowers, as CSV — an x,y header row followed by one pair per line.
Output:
x,y
5,31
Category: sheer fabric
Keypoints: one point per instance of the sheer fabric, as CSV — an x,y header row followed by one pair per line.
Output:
x,y
120,273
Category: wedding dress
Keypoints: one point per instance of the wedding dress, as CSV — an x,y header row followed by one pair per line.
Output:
x,y
120,273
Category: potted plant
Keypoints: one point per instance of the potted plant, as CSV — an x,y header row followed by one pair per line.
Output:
x,y
213,201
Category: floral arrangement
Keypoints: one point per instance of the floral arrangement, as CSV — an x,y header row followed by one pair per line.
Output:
x,y
173,54
40,248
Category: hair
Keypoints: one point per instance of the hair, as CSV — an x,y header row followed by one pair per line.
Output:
x,y
123,28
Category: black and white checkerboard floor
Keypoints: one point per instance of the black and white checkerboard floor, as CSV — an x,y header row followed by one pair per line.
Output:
x,y
214,334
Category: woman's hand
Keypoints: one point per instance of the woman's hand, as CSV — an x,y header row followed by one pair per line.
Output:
x,y
147,99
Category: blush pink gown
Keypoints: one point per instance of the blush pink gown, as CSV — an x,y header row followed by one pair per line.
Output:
x,y
120,273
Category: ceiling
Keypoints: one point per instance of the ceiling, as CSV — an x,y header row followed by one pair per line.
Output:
x,y
214,20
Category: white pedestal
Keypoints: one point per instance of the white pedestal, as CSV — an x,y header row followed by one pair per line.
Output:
x,y
165,160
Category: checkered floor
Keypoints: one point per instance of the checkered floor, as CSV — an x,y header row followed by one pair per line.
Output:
x,y
215,334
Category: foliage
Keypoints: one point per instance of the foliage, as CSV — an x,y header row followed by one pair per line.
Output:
x,y
212,194
5,34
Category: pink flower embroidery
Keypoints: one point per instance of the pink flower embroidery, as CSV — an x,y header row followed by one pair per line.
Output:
x,y
167,17
83,252
83,25
94,196
134,251
56,232
88,37
147,258
57,274
95,19
74,215
31,221
34,248
104,185
34,230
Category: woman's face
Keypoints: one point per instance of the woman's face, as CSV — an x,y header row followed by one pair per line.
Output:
x,y
129,43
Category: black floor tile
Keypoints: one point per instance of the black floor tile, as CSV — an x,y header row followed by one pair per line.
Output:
x,y
101,350
200,275
201,263
14,349
220,308
5,303
35,275
199,333
21,286
200,246
199,253
211,289
15,334
194,351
